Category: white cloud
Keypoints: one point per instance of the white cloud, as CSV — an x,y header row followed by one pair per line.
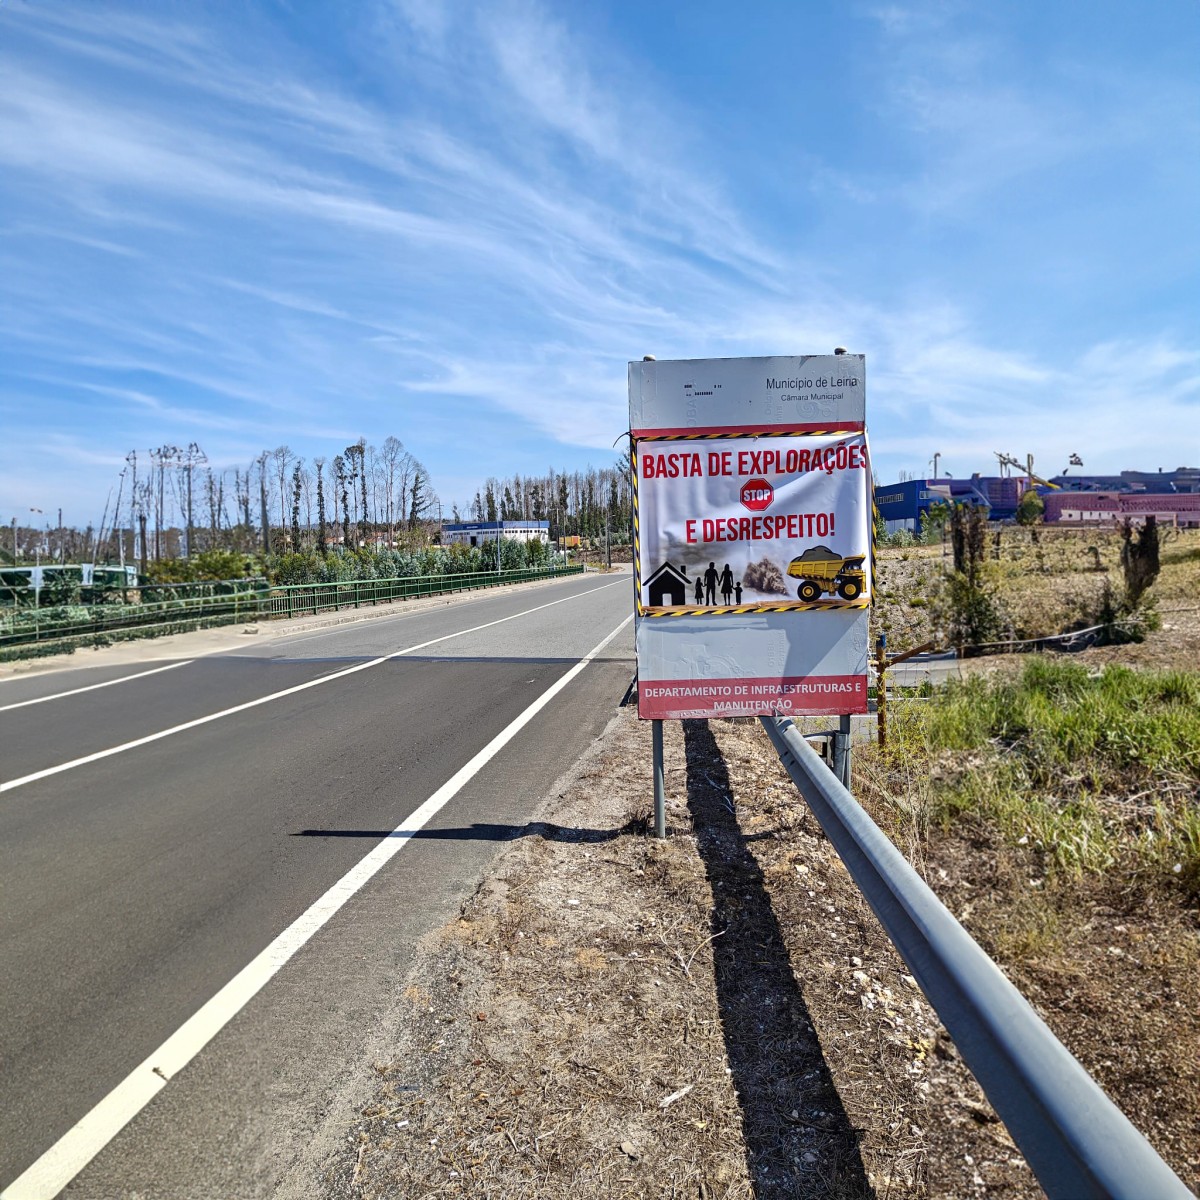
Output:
x,y
230,237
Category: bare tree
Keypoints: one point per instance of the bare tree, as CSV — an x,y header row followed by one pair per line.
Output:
x,y
188,460
362,471
214,494
241,497
306,482
263,499
283,459
340,488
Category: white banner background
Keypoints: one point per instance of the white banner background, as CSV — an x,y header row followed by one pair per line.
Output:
x,y
691,513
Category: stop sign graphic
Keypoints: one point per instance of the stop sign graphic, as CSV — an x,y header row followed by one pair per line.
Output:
x,y
757,494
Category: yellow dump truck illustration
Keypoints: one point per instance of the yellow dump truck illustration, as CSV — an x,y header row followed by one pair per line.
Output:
x,y
820,570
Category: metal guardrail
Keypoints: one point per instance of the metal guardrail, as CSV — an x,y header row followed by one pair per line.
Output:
x,y
231,601
289,600
48,623
1078,1143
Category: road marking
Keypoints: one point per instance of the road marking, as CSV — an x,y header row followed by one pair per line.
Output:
x,y
92,687
367,620
10,784
80,1144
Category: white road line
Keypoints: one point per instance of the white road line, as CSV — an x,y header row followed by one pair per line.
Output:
x,y
10,784
92,687
80,1144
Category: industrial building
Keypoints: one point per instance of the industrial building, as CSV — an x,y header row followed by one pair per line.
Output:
x,y
1183,480
1111,508
478,533
1173,497
901,504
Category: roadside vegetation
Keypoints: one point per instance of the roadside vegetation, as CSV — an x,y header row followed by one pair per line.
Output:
x,y
1011,583
1083,771
219,587
1052,800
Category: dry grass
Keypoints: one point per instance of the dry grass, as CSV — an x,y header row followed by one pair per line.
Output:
x,y
1045,581
718,1015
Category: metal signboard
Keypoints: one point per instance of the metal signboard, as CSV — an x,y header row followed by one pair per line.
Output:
x,y
752,512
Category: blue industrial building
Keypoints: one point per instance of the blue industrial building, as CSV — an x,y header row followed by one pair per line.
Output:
x,y
901,504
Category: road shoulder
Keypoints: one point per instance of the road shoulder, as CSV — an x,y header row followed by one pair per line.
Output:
x,y
613,1015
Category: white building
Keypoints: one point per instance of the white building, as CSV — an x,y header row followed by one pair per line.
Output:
x,y
479,533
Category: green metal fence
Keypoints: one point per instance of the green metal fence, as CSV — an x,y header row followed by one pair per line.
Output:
x,y
296,600
164,607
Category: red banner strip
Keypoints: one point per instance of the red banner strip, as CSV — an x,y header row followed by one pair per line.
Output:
x,y
829,427
790,695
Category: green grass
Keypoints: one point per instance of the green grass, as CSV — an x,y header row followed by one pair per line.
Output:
x,y
1096,770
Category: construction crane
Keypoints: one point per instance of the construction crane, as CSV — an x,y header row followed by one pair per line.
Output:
x,y
1026,468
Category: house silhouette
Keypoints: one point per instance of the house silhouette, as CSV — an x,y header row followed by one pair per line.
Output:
x,y
668,586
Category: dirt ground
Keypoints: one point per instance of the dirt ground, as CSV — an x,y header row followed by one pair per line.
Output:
x,y
720,1014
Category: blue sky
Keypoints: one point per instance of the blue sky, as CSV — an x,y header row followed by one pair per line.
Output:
x,y
298,222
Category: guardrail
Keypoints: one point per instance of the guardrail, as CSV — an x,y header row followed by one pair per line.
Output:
x,y
167,605
297,599
1078,1143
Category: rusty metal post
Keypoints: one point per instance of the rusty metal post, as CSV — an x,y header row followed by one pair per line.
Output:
x,y
660,791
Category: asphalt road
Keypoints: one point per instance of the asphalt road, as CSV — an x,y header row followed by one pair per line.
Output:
x,y
153,843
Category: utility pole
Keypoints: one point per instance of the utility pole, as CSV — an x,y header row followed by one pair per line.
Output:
x,y
37,563
117,525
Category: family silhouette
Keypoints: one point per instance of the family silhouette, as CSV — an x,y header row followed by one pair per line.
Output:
x,y
712,579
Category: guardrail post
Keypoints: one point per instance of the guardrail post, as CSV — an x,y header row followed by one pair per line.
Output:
x,y
841,751
660,791
881,687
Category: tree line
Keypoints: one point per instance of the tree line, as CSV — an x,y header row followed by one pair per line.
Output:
x,y
585,503
170,503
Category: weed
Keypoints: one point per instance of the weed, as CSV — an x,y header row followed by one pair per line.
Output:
x,y
1063,760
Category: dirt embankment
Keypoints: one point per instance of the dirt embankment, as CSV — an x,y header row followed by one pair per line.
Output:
x,y
716,1015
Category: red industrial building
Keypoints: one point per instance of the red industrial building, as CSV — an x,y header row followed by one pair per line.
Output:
x,y
1109,508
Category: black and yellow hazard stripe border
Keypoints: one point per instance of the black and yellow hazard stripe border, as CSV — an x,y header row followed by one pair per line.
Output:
x,y
814,606
767,433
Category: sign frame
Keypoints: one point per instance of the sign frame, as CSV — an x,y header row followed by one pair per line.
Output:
x,y
775,657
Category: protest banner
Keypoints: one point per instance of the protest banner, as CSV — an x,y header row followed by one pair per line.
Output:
x,y
752,530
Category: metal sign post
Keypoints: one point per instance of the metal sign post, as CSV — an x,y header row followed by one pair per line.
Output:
x,y
660,791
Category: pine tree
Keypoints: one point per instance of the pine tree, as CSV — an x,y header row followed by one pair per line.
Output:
x,y
296,505
322,545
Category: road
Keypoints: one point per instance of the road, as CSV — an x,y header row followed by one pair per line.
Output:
x,y
238,817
